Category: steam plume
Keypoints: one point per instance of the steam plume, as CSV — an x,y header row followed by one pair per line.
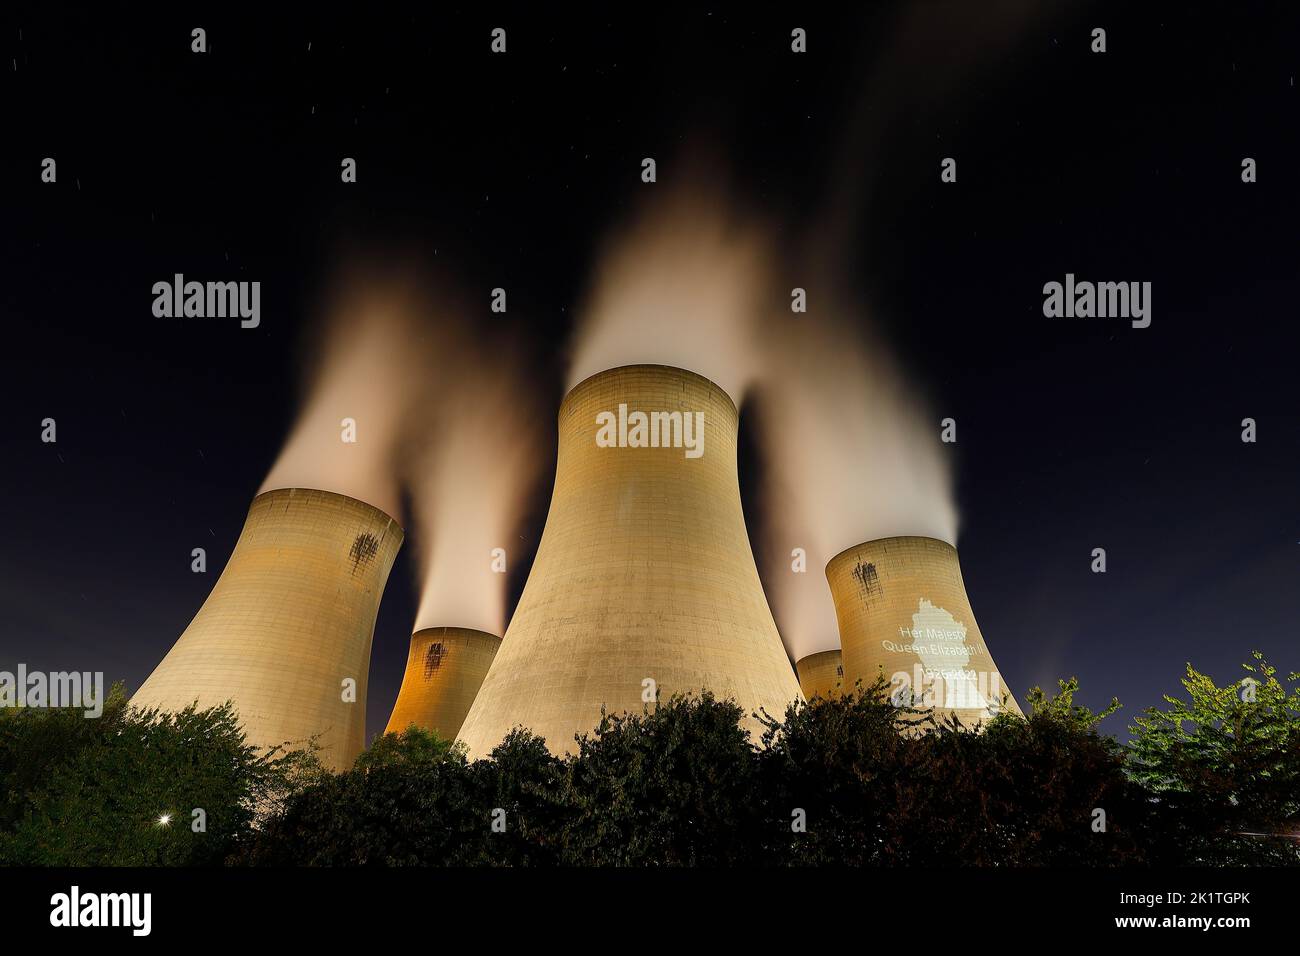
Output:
x,y
851,455
367,366
477,454
440,413
679,287
851,451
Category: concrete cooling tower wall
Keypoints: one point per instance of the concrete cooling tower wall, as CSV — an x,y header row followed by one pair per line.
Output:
x,y
644,579
444,672
289,621
903,613
821,674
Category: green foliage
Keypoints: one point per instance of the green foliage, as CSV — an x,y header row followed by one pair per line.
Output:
x,y
849,780
1062,707
881,787
527,782
1225,765
839,760
410,799
673,787
662,788
121,790
412,747
1043,790
34,743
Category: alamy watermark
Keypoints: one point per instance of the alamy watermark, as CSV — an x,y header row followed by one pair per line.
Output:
x,y
130,910
957,688
208,300
1102,300
55,689
626,429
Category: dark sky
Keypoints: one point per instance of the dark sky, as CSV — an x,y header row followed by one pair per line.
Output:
x,y
508,170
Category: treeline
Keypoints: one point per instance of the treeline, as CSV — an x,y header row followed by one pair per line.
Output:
x,y
1213,779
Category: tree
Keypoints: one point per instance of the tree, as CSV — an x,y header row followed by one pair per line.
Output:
x,y
413,747
133,788
37,742
527,784
1225,765
853,780
835,762
410,799
894,786
1046,789
675,786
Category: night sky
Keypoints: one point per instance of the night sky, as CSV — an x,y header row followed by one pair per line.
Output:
x,y
509,170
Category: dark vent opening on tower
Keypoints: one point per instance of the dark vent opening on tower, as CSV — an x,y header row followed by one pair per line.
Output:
x,y
865,575
365,547
433,658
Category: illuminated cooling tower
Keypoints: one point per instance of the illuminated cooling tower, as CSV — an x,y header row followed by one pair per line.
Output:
x,y
821,674
903,613
644,572
288,622
444,671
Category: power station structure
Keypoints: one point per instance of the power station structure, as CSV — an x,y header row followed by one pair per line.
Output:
x,y
821,674
444,672
903,614
286,632
643,587
644,584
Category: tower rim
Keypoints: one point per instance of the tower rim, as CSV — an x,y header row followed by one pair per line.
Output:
x,y
843,555
446,628
811,654
675,369
325,491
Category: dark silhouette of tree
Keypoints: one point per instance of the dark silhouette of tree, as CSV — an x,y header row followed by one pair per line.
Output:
x,y
857,780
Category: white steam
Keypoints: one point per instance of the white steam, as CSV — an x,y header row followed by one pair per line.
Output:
x,y
680,287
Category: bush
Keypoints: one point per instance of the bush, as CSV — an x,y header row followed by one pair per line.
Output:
x,y
844,781
527,783
888,786
1042,790
132,788
676,786
410,799
836,760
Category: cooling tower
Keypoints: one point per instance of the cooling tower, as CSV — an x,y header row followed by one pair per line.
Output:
x,y
903,612
644,579
821,674
444,672
288,622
